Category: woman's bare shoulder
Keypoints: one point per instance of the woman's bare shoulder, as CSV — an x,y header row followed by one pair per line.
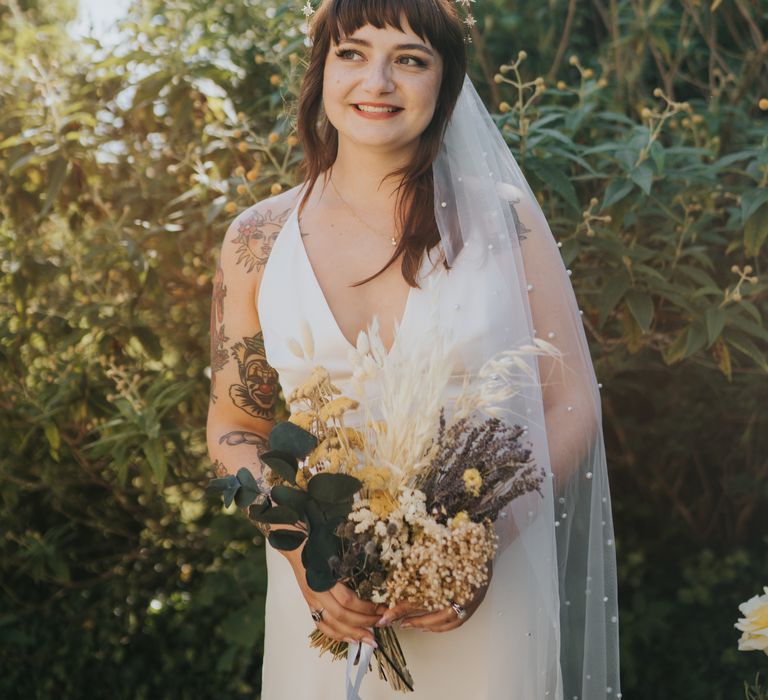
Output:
x,y
251,235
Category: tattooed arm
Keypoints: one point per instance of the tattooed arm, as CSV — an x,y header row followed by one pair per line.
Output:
x,y
244,386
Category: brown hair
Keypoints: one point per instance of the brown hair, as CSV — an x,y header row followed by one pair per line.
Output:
x,y
434,20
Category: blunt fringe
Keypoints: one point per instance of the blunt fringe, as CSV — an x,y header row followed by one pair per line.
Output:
x,y
435,21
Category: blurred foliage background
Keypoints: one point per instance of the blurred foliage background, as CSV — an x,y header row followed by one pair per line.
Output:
x,y
646,139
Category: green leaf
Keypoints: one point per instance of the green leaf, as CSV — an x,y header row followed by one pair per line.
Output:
x,y
256,509
756,230
658,155
155,454
286,496
674,353
278,515
57,171
289,437
714,319
696,339
320,581
227,486
642,176
616,191
552,174
641,306
249,489
613,291
321,545
286,540
744,344
282,463
751,201
333,488
52,435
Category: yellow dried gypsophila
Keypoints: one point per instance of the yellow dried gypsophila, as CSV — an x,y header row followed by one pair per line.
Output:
x,y
318,382
441,566
459,519
304,419
354,438
336,408
374,478
381,504
340,461
472,481
303,475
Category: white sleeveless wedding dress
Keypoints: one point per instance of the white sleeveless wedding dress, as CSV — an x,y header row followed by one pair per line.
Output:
x,y
467,663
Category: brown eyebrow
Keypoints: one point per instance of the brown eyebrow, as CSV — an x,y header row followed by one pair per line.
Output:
x,y
399,47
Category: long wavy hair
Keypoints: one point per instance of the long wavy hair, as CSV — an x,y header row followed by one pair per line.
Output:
x,y
434,20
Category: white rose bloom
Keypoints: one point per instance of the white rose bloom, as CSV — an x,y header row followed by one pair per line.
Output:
x,y
754,624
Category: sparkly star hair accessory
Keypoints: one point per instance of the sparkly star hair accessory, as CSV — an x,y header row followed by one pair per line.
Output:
x,y
469,18
308,10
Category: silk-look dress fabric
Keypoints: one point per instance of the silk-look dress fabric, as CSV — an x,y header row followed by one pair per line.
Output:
x,y
464,663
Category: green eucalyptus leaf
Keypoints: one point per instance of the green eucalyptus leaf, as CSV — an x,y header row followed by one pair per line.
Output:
x,y
282,463
220,484
287,496
336,511
246,479
333,488
286,540
314,513
320,580
249,489
227,486
289,437
258,508
278,515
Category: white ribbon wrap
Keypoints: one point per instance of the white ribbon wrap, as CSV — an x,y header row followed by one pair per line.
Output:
x,y
354,679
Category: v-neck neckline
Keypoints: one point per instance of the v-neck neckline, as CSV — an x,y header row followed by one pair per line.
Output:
x,y
324,300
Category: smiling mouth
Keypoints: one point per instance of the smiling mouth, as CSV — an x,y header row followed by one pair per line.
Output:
x,y
379,110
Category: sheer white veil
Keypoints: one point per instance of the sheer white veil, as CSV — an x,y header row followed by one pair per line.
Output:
x,y
556,553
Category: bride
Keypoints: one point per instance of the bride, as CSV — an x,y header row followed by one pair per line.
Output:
x,y
411,206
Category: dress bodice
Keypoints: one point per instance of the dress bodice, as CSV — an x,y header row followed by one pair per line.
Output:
x,y
290,293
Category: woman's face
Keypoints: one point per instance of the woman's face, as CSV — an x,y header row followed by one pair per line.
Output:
x,y
380,86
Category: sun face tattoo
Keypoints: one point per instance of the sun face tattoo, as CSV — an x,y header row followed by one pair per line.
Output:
x,y
256,234
219,354
257,391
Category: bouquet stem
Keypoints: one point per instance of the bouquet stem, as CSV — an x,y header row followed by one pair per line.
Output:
x,y
389,656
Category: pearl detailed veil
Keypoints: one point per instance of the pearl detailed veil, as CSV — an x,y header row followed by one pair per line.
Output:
x,y
554,578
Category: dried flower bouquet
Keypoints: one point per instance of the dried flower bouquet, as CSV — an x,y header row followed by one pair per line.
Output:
x,y
402,506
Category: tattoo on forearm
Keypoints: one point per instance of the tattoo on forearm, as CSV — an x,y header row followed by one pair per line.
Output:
x,y
243,437
219,338
256,235
522,229
219,469
257,391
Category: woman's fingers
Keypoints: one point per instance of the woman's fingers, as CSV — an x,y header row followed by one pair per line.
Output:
x,y
331,627
431,621
398,611
343,615
350,600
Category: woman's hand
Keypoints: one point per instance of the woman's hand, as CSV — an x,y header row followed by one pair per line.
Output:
x,y
440,621
345,616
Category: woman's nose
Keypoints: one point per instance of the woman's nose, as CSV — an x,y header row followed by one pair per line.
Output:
x,y
378,78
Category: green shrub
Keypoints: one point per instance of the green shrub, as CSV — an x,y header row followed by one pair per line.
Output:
x,y
119,173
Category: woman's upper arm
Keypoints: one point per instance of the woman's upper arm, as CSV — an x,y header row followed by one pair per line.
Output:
x,y
244,387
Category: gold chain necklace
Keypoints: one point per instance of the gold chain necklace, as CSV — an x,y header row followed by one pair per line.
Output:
x,y
344,201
